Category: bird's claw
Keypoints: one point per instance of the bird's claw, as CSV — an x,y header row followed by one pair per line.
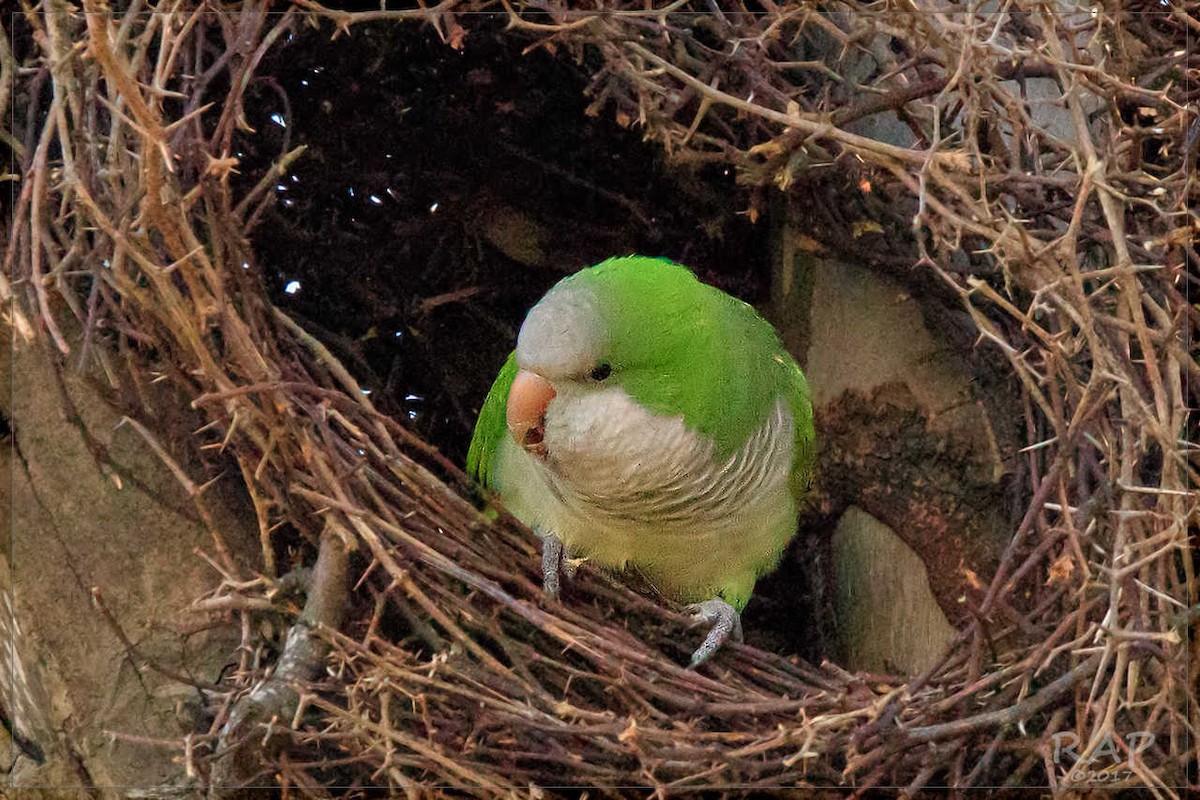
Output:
x,y
554,565
570,566
725,623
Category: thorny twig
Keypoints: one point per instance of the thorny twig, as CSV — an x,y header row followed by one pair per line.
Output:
x,y
1066,238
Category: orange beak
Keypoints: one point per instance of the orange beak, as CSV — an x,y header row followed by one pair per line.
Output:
x,y
528,399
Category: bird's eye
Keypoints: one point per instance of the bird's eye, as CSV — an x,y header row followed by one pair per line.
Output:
x,y
600,371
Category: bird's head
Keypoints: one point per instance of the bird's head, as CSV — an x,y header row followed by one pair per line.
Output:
x,y
605,347
566,355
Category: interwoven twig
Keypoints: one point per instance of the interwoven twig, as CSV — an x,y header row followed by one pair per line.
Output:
x,y
1066,235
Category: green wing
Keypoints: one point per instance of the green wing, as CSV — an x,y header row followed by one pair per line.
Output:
x,y
738,589
805,453
492,426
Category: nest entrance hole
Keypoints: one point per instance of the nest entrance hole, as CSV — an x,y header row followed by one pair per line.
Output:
x,y
442,192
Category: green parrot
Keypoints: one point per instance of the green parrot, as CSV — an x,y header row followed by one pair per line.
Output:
x,y
648,420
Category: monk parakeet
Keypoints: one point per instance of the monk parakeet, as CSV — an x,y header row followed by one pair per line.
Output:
x,y
648,420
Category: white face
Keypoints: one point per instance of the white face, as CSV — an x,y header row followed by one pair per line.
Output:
x,y
563,335
561,341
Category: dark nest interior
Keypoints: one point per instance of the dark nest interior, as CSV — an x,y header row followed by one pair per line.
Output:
x,y
323,226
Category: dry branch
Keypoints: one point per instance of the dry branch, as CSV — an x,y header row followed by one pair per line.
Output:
x,y
1070,245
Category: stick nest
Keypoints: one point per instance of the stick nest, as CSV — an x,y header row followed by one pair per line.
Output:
x,y
1031,177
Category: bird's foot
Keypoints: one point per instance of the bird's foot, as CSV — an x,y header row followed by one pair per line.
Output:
x,y
554,565
726,624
